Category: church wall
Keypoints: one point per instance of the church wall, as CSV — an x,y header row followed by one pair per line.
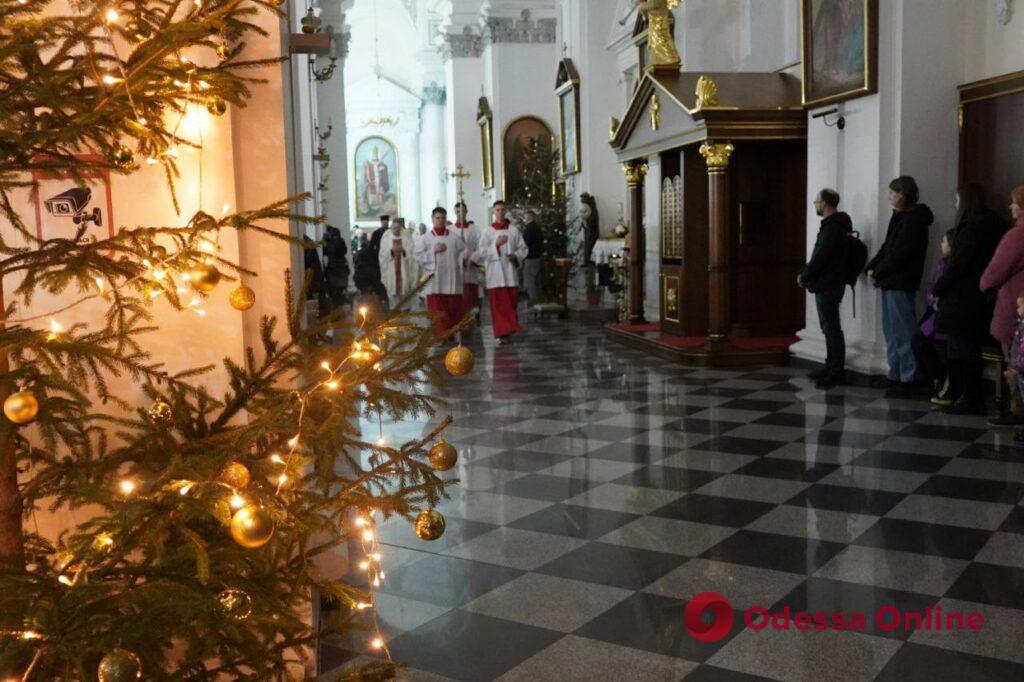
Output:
x,y
909,127
994,48
739,35
514,94
464,78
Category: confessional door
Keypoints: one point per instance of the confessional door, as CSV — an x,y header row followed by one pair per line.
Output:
x,y
671,272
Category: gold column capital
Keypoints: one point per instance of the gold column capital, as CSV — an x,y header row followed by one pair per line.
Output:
x,y
634,173
716,155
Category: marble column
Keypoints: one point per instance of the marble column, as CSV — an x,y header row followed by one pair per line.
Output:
x,y
461,52
635,172
432,149
716,155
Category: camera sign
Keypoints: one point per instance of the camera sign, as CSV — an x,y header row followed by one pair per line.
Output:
x,y
64,209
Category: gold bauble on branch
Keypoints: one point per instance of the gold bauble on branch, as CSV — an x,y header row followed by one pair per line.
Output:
x,y
21,407
366,353
204,277
235,604
252,526
122,156
160,413
120,665
459,361
216,106
443,456
242,297
429,525
235,475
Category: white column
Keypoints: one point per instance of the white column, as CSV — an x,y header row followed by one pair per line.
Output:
x,y
331,111
432,150
464,78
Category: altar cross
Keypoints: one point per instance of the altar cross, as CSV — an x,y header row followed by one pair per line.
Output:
x,y
460,176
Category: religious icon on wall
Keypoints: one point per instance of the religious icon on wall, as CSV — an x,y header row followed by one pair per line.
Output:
x,y
376,179
527,147
568,92
840,49
65,207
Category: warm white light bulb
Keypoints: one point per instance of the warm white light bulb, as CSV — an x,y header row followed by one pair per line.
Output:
x,y
377,643
111,16
237,501
127,486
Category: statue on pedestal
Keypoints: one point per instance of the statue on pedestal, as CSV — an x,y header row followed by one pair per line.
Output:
x,y
659,33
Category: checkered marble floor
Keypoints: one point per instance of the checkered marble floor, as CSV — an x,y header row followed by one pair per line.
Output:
x,y
602,488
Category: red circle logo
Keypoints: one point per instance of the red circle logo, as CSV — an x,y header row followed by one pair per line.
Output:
x,y
719,607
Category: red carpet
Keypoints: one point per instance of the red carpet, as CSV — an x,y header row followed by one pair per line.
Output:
x,y
652,332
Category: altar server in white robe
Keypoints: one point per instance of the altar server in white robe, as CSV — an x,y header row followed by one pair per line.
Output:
x,y
502,251
397,258
441,253
469,232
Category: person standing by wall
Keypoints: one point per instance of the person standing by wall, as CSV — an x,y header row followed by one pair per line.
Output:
x,y
963,313
533,235
1005,273
823,276
896,269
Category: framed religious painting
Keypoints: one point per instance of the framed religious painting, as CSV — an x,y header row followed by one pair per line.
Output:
x,y
485,120
567,89
376,179
839,49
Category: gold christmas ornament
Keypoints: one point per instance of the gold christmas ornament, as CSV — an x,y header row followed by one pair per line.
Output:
x,y
160,414
242,297
459,361
235,475
365,353
216,106
429,525
252,527
21,407
204,277
122,156
120,665
443,456
235,604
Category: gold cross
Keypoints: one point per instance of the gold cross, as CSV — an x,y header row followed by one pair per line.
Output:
x,y
460,176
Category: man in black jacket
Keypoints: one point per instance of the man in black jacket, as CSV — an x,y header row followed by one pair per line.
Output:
x,y
823,277
896,269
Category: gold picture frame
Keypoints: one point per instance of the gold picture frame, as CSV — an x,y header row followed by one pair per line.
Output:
x,y
485,119
839,50
567,89
364,208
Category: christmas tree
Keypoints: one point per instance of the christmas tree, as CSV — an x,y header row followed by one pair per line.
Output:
x,y
201,516
539,165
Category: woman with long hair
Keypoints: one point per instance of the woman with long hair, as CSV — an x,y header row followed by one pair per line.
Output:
x,y
962,313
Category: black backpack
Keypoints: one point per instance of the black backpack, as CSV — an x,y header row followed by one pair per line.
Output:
x,y
855,257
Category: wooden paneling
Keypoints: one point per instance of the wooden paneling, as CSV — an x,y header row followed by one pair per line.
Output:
x,y
694,282
767,215
991,141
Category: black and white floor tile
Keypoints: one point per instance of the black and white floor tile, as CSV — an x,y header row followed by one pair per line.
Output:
x,y
601,489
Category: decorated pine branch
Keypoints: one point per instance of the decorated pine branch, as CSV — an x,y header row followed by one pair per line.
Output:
x,y
204,515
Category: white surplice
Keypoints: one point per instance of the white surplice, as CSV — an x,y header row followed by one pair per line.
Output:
x,y
500,271
388,264
446,267
470,237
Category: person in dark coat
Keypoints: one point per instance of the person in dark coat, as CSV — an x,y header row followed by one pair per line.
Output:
x,y
963,312
317,284
896,269
336,271
823,276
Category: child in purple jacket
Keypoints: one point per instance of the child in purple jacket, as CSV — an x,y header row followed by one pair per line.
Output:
x,y
930,365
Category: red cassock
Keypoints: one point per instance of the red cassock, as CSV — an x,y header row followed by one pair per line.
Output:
x,y
452,309
504,319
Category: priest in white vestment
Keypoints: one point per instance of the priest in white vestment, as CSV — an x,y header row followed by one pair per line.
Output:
x,y
397,257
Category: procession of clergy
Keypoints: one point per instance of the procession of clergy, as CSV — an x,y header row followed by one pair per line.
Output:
x,y
451,255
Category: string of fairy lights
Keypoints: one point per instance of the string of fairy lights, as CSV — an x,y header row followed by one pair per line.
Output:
x,y
251,523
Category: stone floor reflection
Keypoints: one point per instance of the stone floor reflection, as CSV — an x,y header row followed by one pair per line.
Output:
x,y
601,489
